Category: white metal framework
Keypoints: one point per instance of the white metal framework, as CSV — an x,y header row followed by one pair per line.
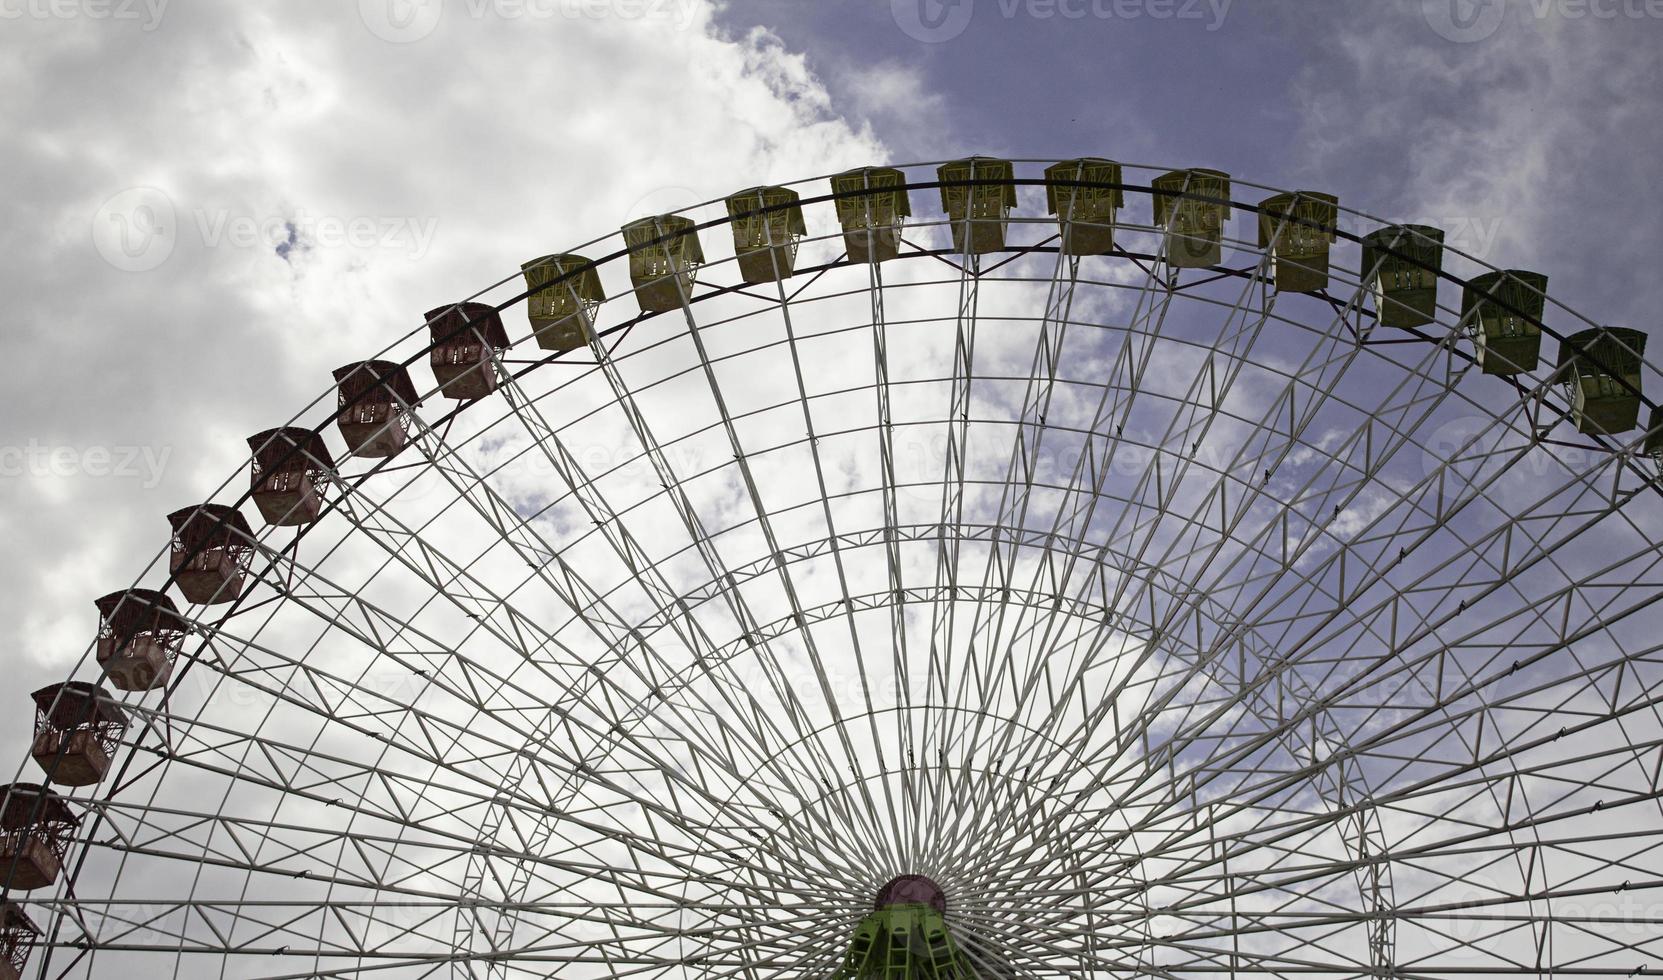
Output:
x,y
1176,626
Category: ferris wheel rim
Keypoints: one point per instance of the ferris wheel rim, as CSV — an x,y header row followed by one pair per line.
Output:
x,y
620,327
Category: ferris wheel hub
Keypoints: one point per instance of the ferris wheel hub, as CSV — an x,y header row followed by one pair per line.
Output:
x,y
911,890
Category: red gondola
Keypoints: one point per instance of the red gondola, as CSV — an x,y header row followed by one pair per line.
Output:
x,y
211,544
76,728
138,635
18,936
465,336
374,396
289,463
35,826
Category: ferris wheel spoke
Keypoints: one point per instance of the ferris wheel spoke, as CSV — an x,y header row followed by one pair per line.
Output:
x,y
938,681
341,772
382,793
1021,477
1132,600
1437,517
1433,788
1021,470
1522,561
1180,835
433,736
676,614
632,955
767,657
133,921
750,741
903,653
888,845
1044,646
233,841
906,841
338,712
1236,328
1154,302
1439,782
1022,949
370,930
1284,921
584,600
548,566
1123,534
599,511
891,529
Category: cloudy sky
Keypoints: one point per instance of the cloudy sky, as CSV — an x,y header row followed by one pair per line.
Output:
x,y
211,204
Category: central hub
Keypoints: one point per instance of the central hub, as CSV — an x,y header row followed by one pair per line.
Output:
x,y
905,937
911,890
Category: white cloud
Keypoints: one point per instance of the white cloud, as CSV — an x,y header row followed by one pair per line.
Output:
x,y
1519,145
413,174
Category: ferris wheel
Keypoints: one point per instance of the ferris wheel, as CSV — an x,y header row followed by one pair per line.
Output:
x,y
985,569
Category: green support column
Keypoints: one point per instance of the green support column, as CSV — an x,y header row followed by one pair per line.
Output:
x,y
904,942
